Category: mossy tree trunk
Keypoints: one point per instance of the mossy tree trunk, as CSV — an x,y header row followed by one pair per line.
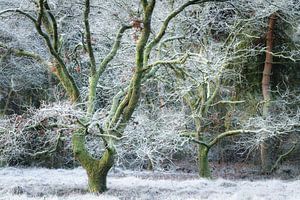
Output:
x,y
97,169
122,107
46,26
203,165
204,148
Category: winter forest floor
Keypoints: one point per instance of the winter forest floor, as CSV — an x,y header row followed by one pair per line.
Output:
x,y
62,184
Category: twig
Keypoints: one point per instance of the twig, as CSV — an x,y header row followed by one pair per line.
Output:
x,y
282,157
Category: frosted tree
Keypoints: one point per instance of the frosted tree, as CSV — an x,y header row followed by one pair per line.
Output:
x,y
224,44
148,31
278,15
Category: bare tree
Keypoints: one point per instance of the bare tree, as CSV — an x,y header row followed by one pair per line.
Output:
x,y
125,101
105,61
225,46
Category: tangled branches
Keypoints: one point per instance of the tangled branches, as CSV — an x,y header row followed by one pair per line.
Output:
x,y
39,137
283,121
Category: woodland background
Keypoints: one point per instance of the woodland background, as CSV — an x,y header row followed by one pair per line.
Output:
x,y
171,85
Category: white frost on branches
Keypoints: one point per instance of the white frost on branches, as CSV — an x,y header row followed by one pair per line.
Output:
x,y
152,139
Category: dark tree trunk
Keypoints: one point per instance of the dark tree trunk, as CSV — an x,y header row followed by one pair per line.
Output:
x,y
266,147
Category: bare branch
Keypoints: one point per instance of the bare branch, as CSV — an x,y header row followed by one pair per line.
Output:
x,y
88,37
283,156
20,12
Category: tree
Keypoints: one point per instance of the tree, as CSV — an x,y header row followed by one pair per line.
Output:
x,y
105,71
225,46
126,99
265,146
208,95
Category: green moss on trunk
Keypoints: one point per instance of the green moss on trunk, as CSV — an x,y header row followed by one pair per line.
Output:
x,y
204,170
68,83
92,94
96,182
96,169
97,172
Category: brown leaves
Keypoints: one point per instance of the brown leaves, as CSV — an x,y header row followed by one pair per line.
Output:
x,y
77,69
137,24
53,69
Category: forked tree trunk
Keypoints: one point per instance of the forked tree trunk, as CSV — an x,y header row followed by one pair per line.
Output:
x,y
204,169
97,172
266,147
96,169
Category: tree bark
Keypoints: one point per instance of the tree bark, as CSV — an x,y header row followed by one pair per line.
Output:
x,y
204,169
68,83
266,147
268,64
96,169
97,174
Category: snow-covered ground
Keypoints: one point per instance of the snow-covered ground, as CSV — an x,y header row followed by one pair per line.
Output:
x,y
60,184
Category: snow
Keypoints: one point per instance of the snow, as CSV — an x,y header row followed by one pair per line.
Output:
x,y
63,184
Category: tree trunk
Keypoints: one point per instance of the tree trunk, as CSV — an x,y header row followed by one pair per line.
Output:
x,y
96,169
266,155
97,173
266,148
268,64
204,170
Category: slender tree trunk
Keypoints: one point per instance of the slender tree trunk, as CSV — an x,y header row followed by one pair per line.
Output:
x,y
204,169
96,169
268,65
266,147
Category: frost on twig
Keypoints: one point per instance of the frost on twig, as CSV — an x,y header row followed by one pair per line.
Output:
x,y
284,119
152,139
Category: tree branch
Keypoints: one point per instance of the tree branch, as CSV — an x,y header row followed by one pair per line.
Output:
x,y
24,53
20,12
88,37
282,157
55,31
113,51
227,134
165,24
180,60
227,102
200,142
96,75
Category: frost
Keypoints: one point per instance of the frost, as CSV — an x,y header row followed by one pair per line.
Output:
x,y
61,184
